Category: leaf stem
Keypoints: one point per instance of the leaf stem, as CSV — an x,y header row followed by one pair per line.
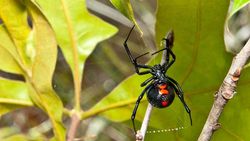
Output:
x,y
67,112
225,93
15,101
75,121
75,117
91,113
76,72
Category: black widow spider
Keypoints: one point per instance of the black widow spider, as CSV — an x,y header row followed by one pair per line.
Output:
x,y
160,90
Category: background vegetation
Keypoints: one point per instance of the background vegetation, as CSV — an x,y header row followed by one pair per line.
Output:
x,y
62,62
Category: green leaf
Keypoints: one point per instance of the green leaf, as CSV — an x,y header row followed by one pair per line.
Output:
x,y
201,65
13,35
74,26
8,60
13,95
18,137
125,7
42,71
18,29
36,52
237,5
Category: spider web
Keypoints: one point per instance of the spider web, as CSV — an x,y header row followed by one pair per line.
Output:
x,y
170,119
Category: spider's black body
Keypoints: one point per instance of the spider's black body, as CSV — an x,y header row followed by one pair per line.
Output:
x,y
161,95
160,88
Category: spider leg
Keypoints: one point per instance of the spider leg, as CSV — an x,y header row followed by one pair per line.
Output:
x,y
169,41
137,104
159,51
167,65
134,60
179,92
146,81
168,45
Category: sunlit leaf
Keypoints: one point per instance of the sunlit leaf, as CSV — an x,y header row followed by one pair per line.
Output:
x,y
237,5
13,95
75,30
8,55
125,7
18,137
35,50
18,29
43,68
13,34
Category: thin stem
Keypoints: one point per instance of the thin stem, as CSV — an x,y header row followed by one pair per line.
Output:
x,y
141,133
225,93
75,121
67,112
91,113
16,102
145,122
75,117
76,70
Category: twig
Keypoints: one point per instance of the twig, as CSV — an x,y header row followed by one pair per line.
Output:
x,y
75,120
141,133
225,93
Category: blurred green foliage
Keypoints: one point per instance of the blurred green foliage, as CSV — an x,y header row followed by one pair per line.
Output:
x,y
49,48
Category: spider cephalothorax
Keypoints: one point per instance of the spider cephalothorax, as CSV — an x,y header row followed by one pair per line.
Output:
x,y
160,88
158,73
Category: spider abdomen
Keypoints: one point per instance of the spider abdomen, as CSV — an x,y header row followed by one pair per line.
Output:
x,y
161,95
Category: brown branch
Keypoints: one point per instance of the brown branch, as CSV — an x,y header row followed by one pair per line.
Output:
x,y
225,93
75,121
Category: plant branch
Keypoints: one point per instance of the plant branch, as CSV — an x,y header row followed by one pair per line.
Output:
x,y
76,69
75,121
15,102
66,112
91,113
141,133
225,93
75,117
